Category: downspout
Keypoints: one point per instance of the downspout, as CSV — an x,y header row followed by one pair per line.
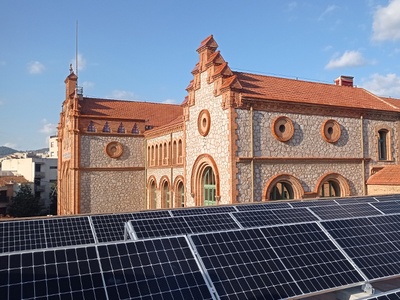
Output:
x,y
362,155
252,153
172,203
146,157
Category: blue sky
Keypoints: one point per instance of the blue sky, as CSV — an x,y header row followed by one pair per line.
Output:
x,y
145,50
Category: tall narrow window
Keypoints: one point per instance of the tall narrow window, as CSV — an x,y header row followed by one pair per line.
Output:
x,y
281,191
156,156
165,195
180,195
180,150
209,190
165,149
382,145
330,188
174,152
153,195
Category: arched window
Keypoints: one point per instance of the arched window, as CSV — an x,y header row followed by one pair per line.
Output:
x,y
209,190
180,159
165,200
152,155
174,152
330,188
382,144
153,195
281,191
165,150
160,157
156,156
180,195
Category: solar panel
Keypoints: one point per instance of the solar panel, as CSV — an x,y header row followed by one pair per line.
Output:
x,y
389,225
366,245
312,259
309,203
110,228
202,210
361,210
182,225
241,264
259,218
72,273
21,235
333,212
68,231
356,200
152,269
262,206
387,198
151,214
388,207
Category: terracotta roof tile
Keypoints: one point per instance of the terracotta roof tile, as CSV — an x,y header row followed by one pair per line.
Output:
x,y
290,90
389,175
157,114
16,179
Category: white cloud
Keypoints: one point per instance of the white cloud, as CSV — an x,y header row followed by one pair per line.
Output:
x,y
170,101
48,128
87,85
348,59
81,62
10,145
35,67
328,10
121,94
386,24
383,85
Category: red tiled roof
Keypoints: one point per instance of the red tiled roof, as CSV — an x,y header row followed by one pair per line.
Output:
x,y
157,114
290,90
389,175
15,179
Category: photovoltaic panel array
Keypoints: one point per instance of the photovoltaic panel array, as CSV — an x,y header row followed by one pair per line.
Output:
x,y
309,203
259,218
356,200
151,214
387,198
388,207
182,225
273,262
263,206
361,210
370,249
110,228
345,211
152,269
45,233
203,210
72,273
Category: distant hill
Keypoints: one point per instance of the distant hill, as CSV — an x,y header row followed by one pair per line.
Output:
x,y
6,151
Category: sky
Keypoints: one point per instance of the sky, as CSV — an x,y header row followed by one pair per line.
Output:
x,y
145,50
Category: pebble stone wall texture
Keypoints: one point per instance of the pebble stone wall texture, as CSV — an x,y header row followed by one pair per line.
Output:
x,y
215,144
112,188
307,143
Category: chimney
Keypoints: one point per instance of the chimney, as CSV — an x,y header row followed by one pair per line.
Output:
x,y
70,83
344,81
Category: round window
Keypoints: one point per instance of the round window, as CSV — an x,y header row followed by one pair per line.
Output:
x,y
282,128
204,122
331,131
114,149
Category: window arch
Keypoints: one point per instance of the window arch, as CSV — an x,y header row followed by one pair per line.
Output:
x,y
174,152
152,193
383,142
282,187
179,192
165,193
180,152
165,155
205,185
156,155
159,163
333,185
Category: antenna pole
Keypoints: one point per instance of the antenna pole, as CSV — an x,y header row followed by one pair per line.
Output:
x,y
76,50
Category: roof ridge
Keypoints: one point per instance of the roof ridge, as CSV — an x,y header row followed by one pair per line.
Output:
x,y
380,99
134,101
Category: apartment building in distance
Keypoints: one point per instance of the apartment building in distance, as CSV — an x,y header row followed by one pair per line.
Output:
x,y
237,137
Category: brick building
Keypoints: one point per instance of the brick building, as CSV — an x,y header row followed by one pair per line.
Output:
x,y
237,137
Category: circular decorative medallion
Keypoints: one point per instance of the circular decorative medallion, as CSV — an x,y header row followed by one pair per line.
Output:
x,y
282,128
114,149
331,131
204,122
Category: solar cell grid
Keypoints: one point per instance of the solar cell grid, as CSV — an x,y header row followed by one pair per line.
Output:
x,y
312,259
361,209
21,235
109,228
212,222
68,231
388,207
202,210
242,265
294,215
149,228
356,200
262,206
256,218
334,212
151,214
152,269
366,245
309,203
72,273
388,198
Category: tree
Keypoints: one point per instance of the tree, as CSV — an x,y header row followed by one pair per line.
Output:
x,y
24,203
53,200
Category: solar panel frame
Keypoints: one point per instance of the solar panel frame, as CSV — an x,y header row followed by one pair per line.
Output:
x,y
110,228
382,198
334,212
388,207
309,203
361,209
151,214
202,210
369,199
263,206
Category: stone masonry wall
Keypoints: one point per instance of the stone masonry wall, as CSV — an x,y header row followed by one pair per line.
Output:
x,y
215,144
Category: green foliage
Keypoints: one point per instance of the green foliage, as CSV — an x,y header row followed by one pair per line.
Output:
x,y
24,203
53,200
